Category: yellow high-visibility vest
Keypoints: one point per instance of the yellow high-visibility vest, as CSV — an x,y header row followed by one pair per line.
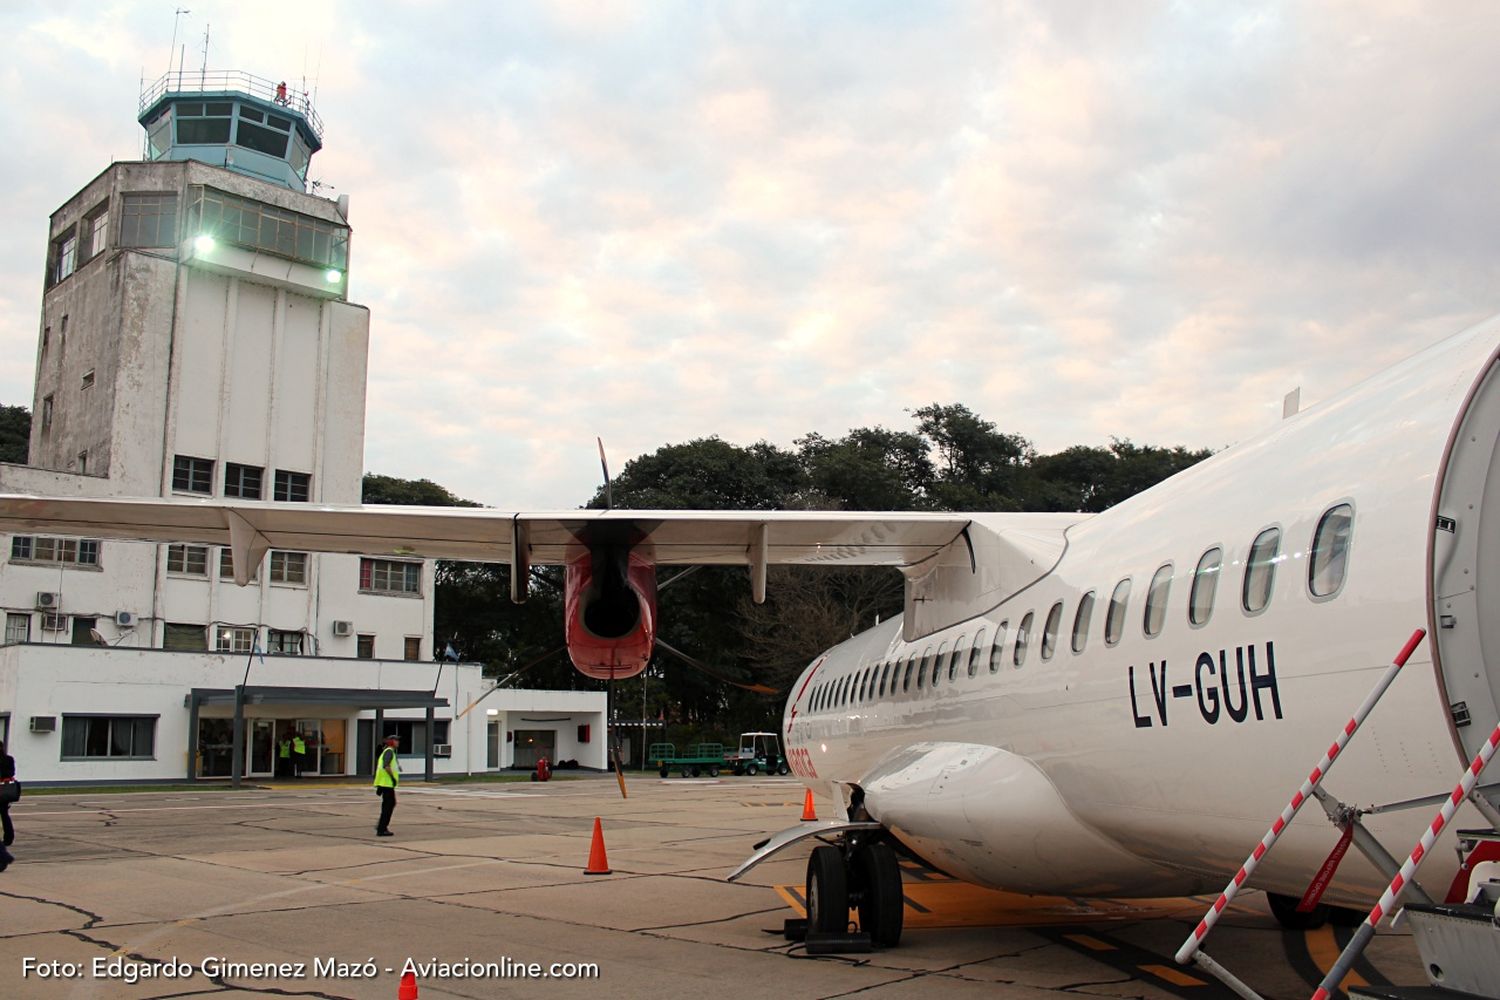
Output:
x,y
286,748
299,746
384,778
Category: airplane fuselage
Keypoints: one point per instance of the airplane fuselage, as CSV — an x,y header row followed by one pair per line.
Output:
x,y
1145,752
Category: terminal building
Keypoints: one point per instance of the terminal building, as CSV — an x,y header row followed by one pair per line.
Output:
x,y
197,340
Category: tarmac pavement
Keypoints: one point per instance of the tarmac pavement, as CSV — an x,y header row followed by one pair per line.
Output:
x,y
286,891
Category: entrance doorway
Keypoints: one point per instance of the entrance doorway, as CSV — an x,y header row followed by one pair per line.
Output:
x,y
533,743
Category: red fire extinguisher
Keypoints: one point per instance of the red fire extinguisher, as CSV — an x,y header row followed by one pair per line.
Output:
x,y
543,770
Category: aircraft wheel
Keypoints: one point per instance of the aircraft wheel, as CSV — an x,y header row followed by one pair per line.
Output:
x,y
713,772
881,902
1284,909
751,770
827,891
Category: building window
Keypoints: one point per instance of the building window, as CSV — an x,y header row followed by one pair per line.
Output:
x,y
183,636
189,560
364,647
88,379
260,226
47,413
242,481
69,551
295,487
130,737
96,231
1330,551
148,219
17,628
234,638
226,566
413,647
85,632
192,475
279,641
289,567
385,576
83,462
262,139
64,255
413,735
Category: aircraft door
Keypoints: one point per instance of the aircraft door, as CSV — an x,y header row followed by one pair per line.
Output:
x,y
1464,564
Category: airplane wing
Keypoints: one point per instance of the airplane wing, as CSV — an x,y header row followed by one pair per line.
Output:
x,y
947,555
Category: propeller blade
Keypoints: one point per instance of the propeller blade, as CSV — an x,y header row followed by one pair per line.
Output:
x,y
664,584
702,667
609,497
512,676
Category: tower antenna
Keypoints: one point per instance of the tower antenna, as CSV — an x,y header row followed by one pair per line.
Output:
x,y
175,18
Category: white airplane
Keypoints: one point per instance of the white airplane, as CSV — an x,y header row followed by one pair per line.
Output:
x,y
1113,704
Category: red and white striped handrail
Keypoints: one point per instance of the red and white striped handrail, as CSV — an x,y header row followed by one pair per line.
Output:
x,y
1388,898
1195,939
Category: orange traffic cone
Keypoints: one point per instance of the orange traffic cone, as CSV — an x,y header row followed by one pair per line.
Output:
x,y
808,812
408,990
598,863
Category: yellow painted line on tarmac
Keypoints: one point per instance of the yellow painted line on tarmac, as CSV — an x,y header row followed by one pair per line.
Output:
x,y
959,904
1174,976
1324,950
1090,942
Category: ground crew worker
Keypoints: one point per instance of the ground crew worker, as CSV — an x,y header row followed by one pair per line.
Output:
x,y
299,751
284,757
387,777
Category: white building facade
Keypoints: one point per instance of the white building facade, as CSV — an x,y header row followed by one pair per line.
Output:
x,y
196,339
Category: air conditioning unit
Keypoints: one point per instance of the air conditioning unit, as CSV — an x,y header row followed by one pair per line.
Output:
x,y
343,629
43,723
54,623
442,749
125,619
47,599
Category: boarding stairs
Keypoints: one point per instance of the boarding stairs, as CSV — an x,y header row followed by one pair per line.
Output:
x,y
1459,942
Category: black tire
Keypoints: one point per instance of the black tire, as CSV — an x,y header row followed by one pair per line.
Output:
x,y
713,771
665,771
695,770
827,891
751,770
783,769
738,770
1284,909
882,906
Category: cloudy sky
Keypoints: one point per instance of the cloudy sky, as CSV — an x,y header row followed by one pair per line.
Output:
x,y
656,221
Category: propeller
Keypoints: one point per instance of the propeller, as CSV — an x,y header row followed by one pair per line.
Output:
x,y
512,676
717,675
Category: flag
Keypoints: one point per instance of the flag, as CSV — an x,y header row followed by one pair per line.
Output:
x,y
449,653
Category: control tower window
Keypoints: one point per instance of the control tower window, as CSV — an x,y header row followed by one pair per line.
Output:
x,y
259,137
265,227
200,124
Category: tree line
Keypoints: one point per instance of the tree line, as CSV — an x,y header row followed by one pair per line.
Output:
x,y
950,460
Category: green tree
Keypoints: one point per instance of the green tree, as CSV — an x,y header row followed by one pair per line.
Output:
x,y
412,492
980,468
15,434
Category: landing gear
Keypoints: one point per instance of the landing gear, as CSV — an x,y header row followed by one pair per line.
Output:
x,y
1284,909
827,891
861,876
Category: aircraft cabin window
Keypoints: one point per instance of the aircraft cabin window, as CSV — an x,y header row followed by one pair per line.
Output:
x,y
958,654
1114,619
974,653
922,666
1260,571
1023,639
1081,622
911,663
1205,584
1330,551
1156,599
997,651
1049,631
885,676
937,665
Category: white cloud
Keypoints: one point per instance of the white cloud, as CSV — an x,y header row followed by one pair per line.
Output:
x,y
657,222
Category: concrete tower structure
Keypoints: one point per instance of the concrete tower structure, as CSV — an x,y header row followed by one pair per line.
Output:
x,y
197,339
